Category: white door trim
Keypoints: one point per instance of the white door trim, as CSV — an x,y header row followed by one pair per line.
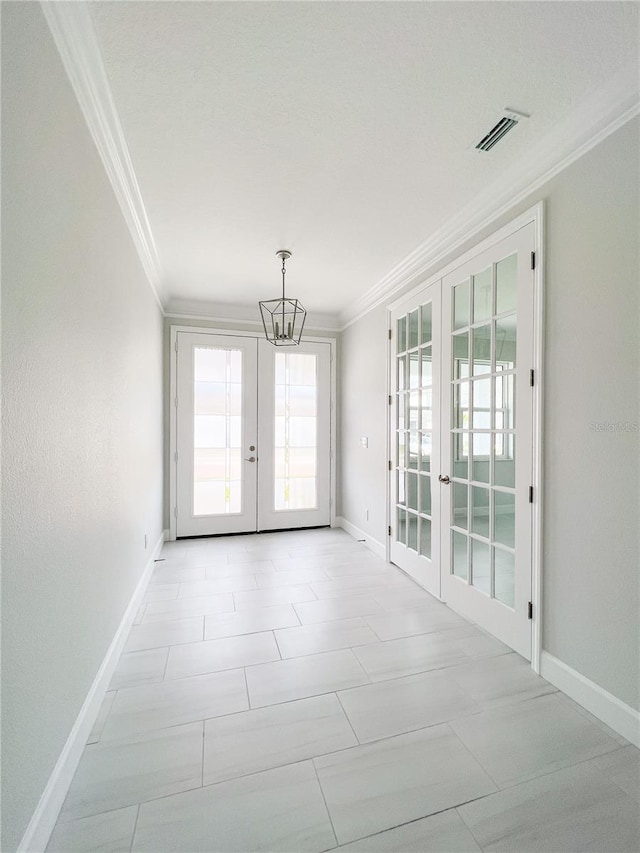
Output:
x,y
173,432
534,214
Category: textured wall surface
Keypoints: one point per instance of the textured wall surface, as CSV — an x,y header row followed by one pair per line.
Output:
x,y
82,413
591,485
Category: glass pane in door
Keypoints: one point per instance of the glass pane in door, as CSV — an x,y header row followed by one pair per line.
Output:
x,y
217,422
295,432
483,459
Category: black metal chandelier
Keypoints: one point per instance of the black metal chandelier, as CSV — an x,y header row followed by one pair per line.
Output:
x,y
283,319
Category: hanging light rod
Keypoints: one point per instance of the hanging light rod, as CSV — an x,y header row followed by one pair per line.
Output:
x,y
283,319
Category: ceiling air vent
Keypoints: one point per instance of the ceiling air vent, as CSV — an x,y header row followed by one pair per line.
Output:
x,y
507,121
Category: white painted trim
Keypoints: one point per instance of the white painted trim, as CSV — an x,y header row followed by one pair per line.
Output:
x,y
247,315
608,109
537,466
615,713
173,433
74,35
372,544
43,820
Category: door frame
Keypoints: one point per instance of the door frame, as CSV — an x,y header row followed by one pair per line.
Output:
x,y
172,460
535,215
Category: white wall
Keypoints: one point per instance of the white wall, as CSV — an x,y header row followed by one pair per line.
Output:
x,y
591,479
82,413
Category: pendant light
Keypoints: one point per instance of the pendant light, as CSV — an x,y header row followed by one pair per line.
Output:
x,y
283,319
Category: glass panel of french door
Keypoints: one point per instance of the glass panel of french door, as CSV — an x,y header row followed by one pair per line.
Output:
x,y
487,438
415,437
216,434
294,436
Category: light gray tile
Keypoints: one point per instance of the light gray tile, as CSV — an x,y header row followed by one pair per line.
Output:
x,y
531,738
101,718
250,621
217,655
381,785
271,597
410,596
412,621
132,770
371,583
623,768
405,704
158,634
576,809
292,564
256,556
409,655
170,703
324,637
297,678
145,667
183,608
110,832
137,619
278,810
332,609
293,578
240,570
500,680
271,737
361,566
233,583
444,833
176,574
161,592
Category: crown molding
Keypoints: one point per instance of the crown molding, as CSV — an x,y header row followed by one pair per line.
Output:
x,y
74,35
181,309
607,109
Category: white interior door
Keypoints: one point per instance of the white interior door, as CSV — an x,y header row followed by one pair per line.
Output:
x,y
253,435
217,434
294,405
487,432
415,431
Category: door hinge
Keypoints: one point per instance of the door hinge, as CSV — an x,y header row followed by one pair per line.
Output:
x,y
389,530
176,345
390,465
389,334
530,610
530,494
532,377
175,512
389,399
533,260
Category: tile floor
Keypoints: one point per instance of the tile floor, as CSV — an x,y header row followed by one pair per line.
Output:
x,y
292,692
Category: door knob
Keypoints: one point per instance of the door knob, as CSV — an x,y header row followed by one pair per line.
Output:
x,y
444,479
250,459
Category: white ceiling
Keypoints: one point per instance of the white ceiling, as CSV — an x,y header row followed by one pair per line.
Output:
x,y
342,131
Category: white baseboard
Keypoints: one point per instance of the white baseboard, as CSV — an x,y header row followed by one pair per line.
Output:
x,y
620,717
43,820
371,543
166,535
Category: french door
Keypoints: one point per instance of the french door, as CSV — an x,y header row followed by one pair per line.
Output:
x,y
415,450
463,454
252,435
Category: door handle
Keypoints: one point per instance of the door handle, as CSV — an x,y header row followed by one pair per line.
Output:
x,y
444,479
250,459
